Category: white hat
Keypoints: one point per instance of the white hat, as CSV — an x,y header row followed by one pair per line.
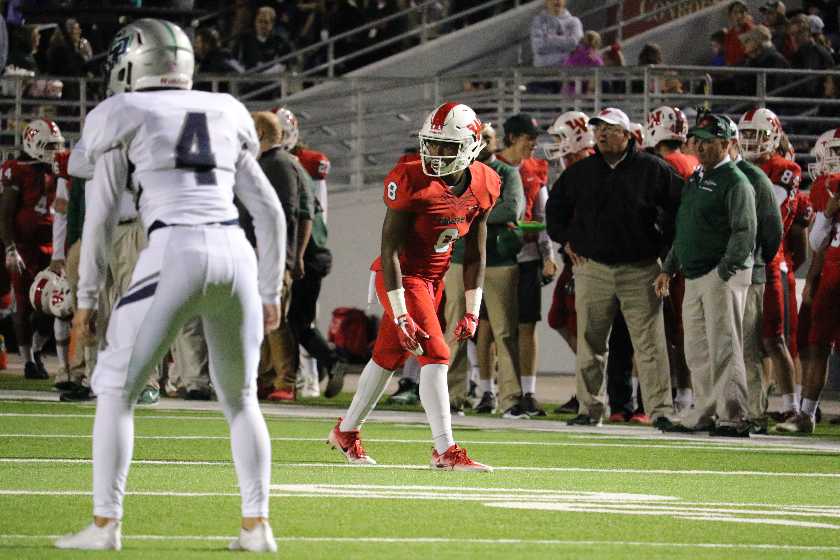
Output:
x,y
611,115
816,22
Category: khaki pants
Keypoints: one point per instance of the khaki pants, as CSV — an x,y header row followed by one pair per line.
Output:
x,y
191,364
753,351
279,351
83,357
599,291
500,300
713,313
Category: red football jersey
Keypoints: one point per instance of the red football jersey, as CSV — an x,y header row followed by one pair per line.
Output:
x,y
315,163
785,176
684,164
534,173
440,216
820,189
36,185
409,157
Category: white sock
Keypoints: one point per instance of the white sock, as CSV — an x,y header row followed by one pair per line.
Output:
x,y
26,353
529,383
372,384
251,448
308,365
38,342
61,329
789,402
113,444
485,386
434,396
635,396
411,369
809,407
685,396
472,358
797,393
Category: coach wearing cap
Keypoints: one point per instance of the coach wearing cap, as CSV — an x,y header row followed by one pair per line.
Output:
x,y
713,248
613,213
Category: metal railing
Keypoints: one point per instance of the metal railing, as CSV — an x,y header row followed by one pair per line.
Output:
x,y
364,129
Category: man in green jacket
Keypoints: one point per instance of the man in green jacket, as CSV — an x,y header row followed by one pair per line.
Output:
x,y
713,248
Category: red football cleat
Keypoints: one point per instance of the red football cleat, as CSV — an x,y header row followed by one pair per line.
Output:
x,y
455,459
640,418
617,417
282,395
350,445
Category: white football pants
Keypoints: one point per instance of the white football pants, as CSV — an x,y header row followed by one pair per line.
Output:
x,y
205,271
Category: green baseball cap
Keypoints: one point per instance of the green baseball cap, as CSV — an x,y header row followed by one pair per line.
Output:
x,y
712,126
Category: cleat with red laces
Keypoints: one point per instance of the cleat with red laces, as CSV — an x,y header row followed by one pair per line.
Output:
x,y
455,459
350,445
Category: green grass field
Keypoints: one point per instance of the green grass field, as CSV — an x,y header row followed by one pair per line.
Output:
x,y
607,493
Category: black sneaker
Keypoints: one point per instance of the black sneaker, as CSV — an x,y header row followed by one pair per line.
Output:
x,y
664,423
740,431
32,371
515,412
198,395
818,415
583,420
530,405
408,392
569,406
36,356
336,382
456,409
80,394
473,392
487,404
758,426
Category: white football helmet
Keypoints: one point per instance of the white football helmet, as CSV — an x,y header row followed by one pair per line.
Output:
x,y
666,123
42,139
760,132
149,53
50,293
827,152
573,135
289,124
454,123
637,131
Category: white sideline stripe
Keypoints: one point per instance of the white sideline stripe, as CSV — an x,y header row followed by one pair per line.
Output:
x,y
445,540
705,446
427,467
136,417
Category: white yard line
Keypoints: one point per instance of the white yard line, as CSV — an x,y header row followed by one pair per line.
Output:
x,y
666,472
444,540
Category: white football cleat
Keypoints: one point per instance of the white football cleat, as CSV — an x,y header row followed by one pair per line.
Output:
x,y
350,445
258,539
456,459
92,537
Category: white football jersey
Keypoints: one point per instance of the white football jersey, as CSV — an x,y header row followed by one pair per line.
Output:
x,y
183,145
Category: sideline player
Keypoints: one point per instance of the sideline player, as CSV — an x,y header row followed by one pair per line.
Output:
x,y
190,152
431,203
760,134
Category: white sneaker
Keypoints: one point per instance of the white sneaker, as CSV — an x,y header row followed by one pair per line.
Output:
x,y
92,537
310,389
258,539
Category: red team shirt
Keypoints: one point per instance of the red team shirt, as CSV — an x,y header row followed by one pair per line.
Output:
x,y
440,218
825,310
315,162
684,164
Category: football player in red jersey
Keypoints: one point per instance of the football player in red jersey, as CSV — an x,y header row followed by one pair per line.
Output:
x,y
537,264
820,312
666,134
29,188
760,135
431,203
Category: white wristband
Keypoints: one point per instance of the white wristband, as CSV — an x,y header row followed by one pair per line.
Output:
x,y
473,298
397,300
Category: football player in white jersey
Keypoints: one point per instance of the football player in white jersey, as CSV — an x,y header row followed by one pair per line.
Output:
x,y
188,153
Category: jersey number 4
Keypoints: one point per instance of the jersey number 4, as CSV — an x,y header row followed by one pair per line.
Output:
x,y
193,149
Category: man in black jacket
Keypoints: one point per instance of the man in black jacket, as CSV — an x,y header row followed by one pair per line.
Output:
x,y
614,213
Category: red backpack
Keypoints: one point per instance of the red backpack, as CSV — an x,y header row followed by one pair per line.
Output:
x,y
353,333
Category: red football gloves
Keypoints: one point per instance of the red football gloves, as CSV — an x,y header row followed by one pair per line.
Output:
x,y
466,327
410,334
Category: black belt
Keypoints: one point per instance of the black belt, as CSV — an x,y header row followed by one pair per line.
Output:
x,y
126,221
157,224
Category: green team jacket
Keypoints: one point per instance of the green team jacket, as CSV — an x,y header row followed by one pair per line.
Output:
x,y
768,235
75,211
509,208
716,224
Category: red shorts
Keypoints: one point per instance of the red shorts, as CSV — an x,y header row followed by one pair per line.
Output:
x,y
562,314
773,318
825,310
36,259
792,315
422,298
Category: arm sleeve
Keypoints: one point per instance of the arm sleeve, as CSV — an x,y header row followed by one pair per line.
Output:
x,y
255,192
544,243
671,264
740,207
669,204
102,195
78,164
306,204
321,195
103,131
819,232
769,222
75,211
59,227
511,203
558,210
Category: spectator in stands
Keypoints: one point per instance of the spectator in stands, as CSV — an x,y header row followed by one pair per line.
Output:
x,y
268,41
23,44
760,53
554,34
67,54
775,19
651,53
614,56
586,55
716,41
343,16
809,55
817,27
740,22
210,56
79,43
